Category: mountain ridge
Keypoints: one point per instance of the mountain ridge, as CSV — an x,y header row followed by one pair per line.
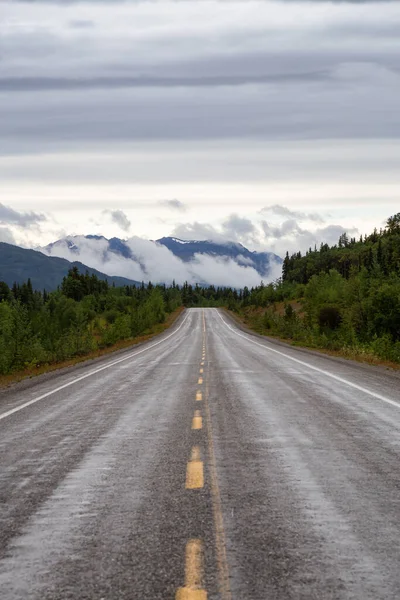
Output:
x,y
45,272
187,251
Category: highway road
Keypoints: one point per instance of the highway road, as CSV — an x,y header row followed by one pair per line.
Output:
x,y
208,463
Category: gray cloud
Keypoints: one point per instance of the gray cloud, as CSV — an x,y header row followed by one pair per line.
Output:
x,y
180,94
174,205
328,82
283,211
289,236
34,84
238,225
234,228
240,229
119,218
81,23
198,231
22,219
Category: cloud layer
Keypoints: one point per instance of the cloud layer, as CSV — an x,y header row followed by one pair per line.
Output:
x,y
167,70
276,229
154,262
221,107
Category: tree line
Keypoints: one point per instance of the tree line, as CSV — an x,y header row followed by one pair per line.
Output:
x,y
343,297
83,315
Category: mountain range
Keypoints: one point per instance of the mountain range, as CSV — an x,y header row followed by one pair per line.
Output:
x,y
169,258
18,264
129,261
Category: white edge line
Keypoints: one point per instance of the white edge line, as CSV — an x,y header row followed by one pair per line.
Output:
x,y
111,364
305,364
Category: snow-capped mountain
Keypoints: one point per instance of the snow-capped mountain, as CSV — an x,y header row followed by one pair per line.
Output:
x,y
168,258
187,249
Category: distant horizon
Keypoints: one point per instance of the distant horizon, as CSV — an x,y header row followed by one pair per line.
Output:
x,y
270,123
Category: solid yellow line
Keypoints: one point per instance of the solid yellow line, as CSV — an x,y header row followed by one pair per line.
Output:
x,y
200,381
193,573
199,396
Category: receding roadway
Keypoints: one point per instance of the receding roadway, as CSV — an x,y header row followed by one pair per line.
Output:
x,y
208,463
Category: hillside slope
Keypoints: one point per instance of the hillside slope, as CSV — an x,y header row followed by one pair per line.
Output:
x,y
45,272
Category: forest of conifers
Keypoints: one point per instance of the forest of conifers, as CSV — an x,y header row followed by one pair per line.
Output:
x,y
84,315
344,298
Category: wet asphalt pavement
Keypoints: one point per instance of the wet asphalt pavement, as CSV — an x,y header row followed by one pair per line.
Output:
x,y
294,490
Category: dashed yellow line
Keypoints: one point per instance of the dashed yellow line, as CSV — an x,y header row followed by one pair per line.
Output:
x,y
200,381
201,370
193,573
197,421
199,396
195,471
202,363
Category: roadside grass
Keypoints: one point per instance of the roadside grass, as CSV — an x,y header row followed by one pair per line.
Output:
x,y
33,371
254,318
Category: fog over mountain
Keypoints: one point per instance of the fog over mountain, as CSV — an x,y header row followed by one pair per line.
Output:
x,y
170,258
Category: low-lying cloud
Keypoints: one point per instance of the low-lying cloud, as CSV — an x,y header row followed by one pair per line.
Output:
x,y
154,262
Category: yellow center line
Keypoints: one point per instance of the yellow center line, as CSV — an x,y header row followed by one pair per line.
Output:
x,y
199,396
200,381
201,370
193,573
194,470
197,421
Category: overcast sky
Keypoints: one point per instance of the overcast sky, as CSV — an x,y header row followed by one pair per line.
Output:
x,y
273,123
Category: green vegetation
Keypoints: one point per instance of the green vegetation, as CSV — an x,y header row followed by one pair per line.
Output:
x,y
344,298
86,314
